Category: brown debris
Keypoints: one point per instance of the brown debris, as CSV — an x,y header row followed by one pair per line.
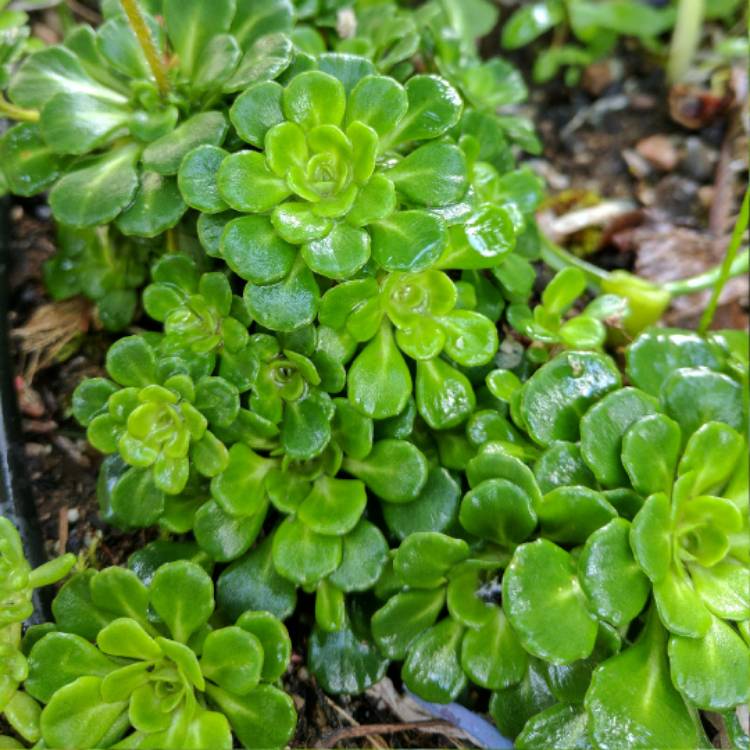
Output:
x,y
62,530
665,252
694,107
433,726
51,328
598,76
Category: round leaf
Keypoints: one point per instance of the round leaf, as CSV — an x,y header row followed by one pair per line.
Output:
x,y
499,511
602,430
273,637
545,604
344,661
182,594
248,185
408,241
288,304
559,393
395,470
334,506
432,668
340,254
157,206
197,179
435,508
303,556
252,583
434,107
610,576
363,560
444,395
98,190
492,655
712,672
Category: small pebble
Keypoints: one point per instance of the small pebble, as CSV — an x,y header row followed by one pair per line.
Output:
x,y
699,161
659,151
35,450
637,165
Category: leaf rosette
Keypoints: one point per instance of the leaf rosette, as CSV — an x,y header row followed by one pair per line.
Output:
x,y
349,168
201,315
112,132
156,417
638,494
136,663
422,307
442,650
17,584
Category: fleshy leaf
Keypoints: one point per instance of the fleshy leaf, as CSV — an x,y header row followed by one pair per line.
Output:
x,y
424,558
182,594
610,575
379,382
558,394
444,395
403,618
98,190
252,583
545,604
304,556
434,107
650,451
492,655
602,430
395,470
621,713
433,666
408,241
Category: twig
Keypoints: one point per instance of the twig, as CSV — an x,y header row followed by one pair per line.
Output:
x,y
69,449
429,727
62,530
599,215
721,204
375,741
143,34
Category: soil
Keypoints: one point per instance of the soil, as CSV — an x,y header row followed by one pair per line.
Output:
x,y
594,150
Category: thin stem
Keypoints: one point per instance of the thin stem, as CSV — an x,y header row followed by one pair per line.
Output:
x,y
726,267
143,34
12,112
558,258
708,278
685,38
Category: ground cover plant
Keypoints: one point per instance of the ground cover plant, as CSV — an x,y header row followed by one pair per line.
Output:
x,y
313,244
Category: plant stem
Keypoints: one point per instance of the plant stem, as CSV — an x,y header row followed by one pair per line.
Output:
x,y
729,260
558,258
685,38
12,112
143,34
708,278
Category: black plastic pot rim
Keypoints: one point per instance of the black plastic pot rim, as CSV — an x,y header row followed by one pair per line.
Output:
x,y
16,500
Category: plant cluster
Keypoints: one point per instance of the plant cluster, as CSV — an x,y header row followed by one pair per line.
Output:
x,y
17,707
586,31
347,384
